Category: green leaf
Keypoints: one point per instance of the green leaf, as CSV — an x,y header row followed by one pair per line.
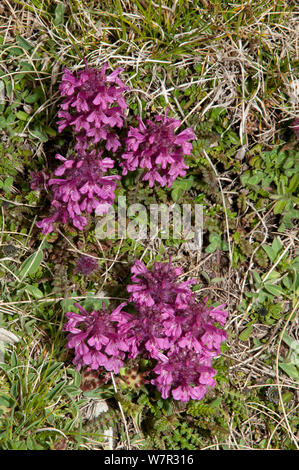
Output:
x,y
51,132
11,118
26,67
15,52
13,359
176,194
59,14
3,122
245,178
215,280
56,390
31,264
277,246
216,403
280,158
289,162
274,275
295,285
255,179
211,248
286,397
22,115
288,339
290,369
67,305
233,138
245,334
5,401
37,293
294,183
39,134
99,394
180,186
7,184
262,296
24,43
279,207
257,278
270,252
287,282
31,99
273,289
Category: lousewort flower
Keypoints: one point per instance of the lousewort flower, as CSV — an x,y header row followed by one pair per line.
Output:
x,y
82,187
185,373
95,340
156,148
295,127
93,106
38,180
86,265
159,286
144,333
169,326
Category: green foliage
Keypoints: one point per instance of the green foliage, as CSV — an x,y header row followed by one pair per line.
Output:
x,y
179,187
216,242
290,365
40,397
25,91
283,282
274,174
172,434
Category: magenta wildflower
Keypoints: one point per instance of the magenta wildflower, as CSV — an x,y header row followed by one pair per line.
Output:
x,y
82,187
185,374
160,331
156,148
59,214
169,326
86,265
145,332
93,105
38,180
159,286
95,339
295,127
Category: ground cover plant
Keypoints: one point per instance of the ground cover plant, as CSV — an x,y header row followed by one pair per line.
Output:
x,y
97,335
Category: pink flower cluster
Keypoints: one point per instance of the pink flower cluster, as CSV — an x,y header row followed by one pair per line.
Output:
x,y
86,265
93,107
170,327
98,344
158,150
174,329
82,187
